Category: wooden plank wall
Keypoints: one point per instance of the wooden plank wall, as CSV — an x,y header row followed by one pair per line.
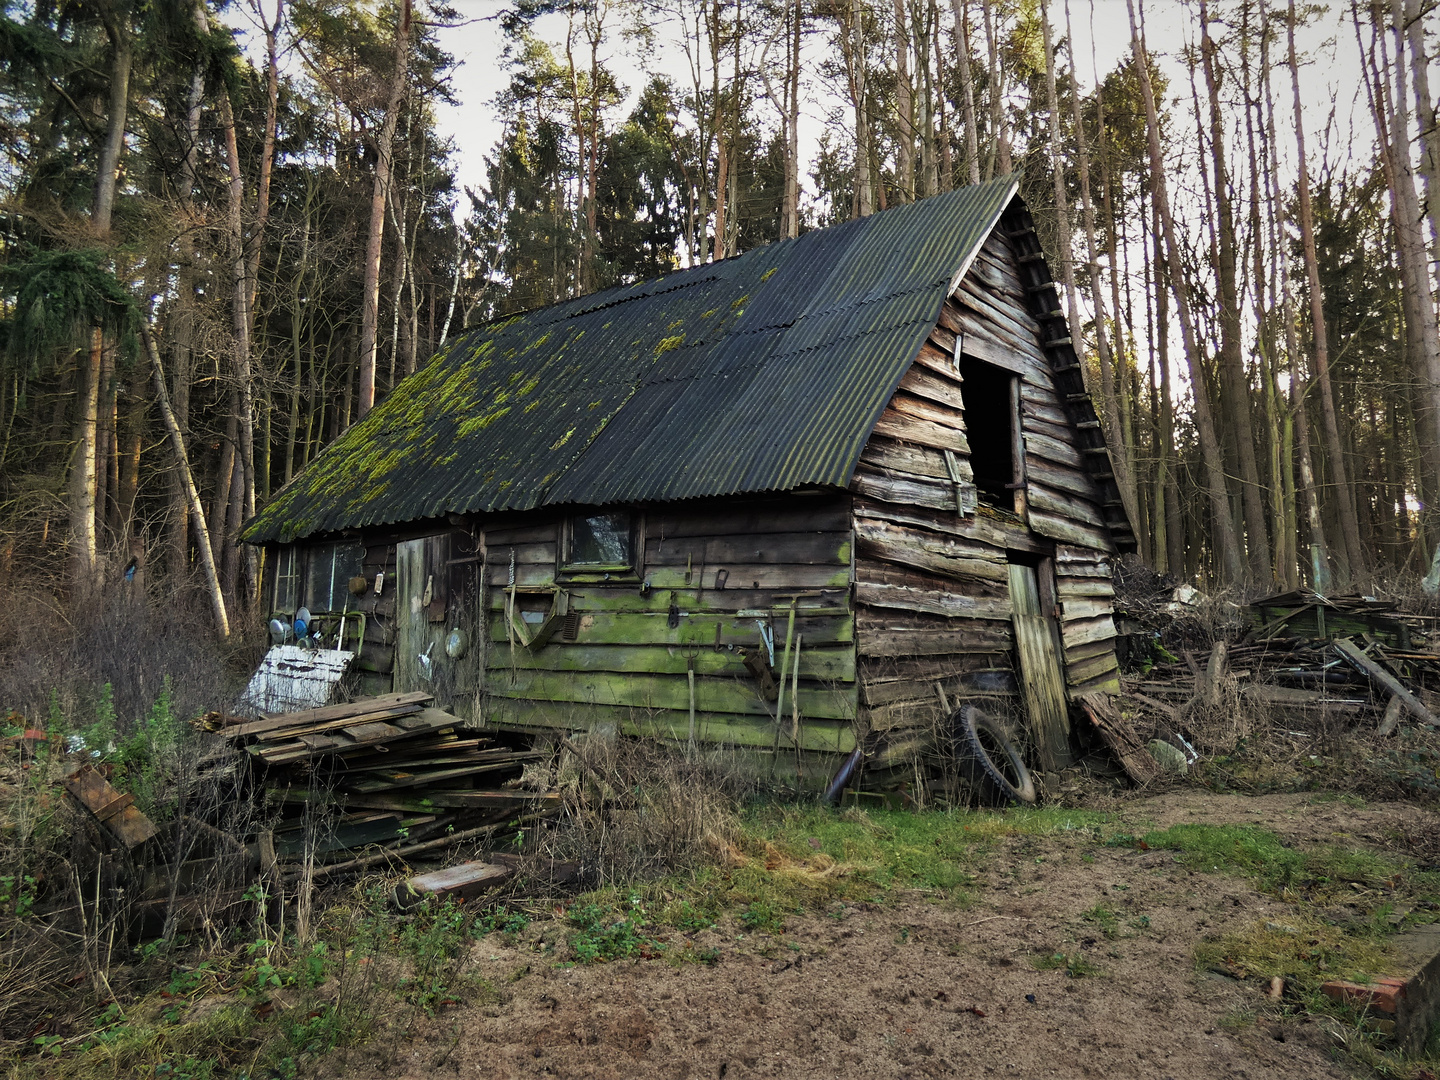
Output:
x,y
1063,503
931,576
931,586
376,661
710,574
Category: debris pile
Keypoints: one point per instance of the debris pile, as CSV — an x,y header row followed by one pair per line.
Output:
x,y
1299,656
392,772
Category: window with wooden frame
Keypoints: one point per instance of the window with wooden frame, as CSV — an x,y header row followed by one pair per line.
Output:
x,y
601,546
285,596
328,571
992,427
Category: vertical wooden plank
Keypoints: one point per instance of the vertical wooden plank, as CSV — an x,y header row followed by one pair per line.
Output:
x,y
1042,679
411,624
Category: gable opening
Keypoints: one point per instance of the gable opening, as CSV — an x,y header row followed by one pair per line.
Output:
x,y
992,426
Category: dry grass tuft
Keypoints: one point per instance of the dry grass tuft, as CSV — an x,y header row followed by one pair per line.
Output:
x,y
636,810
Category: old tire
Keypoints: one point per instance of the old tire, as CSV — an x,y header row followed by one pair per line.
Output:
x,y
994,765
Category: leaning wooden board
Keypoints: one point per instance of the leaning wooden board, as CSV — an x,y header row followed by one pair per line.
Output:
x,y
1120,737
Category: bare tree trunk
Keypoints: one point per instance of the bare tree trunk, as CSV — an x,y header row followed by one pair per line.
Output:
x,y
370,302
132,437
1066,254
999,132
240,310
967,87
1308,489
1166,482
1222,523
1114,431
790,207
84,475
904,110
1425,117
187,479
852,46
267,148
105,455
1414,265
1334,448
945,158
83,561
454,288
1278,427
927,26
182,319
1234,385
107,172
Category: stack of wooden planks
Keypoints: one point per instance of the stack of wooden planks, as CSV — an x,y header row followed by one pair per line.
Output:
x,y
388,770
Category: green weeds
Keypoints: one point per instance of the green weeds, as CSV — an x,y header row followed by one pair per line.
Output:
x,y
598,933
1104,919
1321,874
762,918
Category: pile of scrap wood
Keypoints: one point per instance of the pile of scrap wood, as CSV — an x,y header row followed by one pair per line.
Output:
x,y
391,772
1306,614
1301,677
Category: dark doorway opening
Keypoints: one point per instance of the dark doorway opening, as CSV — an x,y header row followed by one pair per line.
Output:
x,y
990,427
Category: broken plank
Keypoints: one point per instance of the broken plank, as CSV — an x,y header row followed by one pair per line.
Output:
x,y
1356,657
1120,737
462,882
91,790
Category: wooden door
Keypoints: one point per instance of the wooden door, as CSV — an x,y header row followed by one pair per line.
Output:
x,y
438,580
1042,676
412,626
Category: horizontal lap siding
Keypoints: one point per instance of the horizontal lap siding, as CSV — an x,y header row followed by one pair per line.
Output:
x,y
1086,591
716,571
931,587
1064,503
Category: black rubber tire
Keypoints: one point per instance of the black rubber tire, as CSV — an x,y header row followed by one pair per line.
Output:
x,y
994,764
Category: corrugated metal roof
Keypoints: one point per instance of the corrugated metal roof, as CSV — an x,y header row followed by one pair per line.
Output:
x,y
764,372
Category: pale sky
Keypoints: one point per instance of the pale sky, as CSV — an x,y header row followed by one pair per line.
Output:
x,y
1331,82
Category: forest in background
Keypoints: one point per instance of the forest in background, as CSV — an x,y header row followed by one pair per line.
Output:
x,y
216,257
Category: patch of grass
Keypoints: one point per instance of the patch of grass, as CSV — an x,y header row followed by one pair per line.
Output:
x,y
599,933
1104,919
501,920
883,850
685,916
762,918
1320,874
1302,949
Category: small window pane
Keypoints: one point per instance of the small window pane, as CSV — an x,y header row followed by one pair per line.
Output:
x,y
327,580
287,580
603,540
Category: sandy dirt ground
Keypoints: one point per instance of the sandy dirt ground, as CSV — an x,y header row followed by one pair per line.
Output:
x,y
918,988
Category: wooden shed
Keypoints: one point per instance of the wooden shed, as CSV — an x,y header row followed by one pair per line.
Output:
x,y
791,502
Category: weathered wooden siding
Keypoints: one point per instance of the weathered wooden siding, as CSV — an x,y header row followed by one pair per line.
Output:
x,y
931,588
437,588
931,572
710,574
992,311
376,661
